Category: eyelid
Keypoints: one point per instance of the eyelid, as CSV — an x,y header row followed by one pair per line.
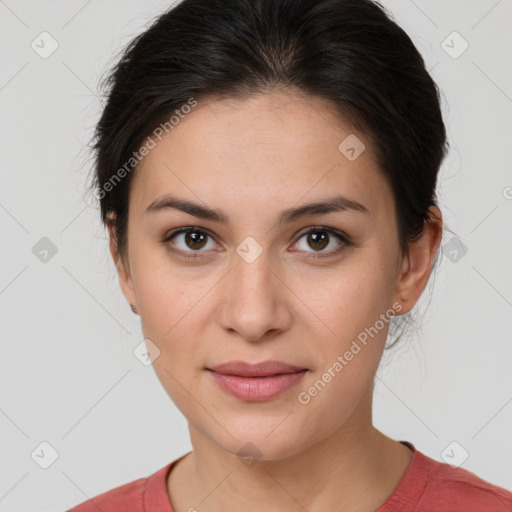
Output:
x,y
328,229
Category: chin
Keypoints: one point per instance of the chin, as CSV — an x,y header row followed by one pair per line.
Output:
x,y
262,441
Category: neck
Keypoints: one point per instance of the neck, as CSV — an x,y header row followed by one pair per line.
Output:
x,y
335,473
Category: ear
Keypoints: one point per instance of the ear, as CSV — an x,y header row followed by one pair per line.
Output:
x,y
416,267
122,268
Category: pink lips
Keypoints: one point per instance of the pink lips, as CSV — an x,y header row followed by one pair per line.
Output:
x,y
256,382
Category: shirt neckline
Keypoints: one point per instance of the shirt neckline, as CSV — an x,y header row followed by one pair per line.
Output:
x,y
412,484
408,491
155,493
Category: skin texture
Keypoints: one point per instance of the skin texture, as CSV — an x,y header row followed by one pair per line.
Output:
x,y
251,159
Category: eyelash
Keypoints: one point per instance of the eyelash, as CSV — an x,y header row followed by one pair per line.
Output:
x,y
193,255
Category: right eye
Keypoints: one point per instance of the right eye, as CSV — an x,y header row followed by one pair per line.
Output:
x,y
192,240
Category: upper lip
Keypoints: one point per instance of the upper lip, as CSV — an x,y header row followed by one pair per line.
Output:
x,y
263,369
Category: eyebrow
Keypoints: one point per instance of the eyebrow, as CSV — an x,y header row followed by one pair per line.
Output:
x,y
334,204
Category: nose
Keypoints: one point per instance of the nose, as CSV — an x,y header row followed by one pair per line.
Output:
x,y
255,300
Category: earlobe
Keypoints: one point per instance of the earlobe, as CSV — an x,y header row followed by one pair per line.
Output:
x,y
417,265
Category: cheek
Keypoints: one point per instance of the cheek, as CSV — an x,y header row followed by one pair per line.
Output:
x,y
355,318
347,300
168,298
175,330
170,310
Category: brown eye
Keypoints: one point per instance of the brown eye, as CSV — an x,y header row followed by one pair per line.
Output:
x,y
188,241
319,239
195,239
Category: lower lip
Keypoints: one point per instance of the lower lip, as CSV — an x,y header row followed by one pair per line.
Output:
x,y
257,389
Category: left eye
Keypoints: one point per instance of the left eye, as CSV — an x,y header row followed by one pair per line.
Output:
x,y
321,238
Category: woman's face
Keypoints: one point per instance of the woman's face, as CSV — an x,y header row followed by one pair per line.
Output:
x,y
258,285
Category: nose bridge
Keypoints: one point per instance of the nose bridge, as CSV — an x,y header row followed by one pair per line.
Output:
x,y
252,268
253,305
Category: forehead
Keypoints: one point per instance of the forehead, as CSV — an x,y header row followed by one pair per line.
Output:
x,y
273,146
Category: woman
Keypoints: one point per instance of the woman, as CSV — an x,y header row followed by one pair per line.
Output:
x,y
267,173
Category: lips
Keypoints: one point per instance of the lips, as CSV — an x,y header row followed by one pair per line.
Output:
x,y
256,382
265,369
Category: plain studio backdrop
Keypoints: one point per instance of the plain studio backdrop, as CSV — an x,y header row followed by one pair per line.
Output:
x,y
79,413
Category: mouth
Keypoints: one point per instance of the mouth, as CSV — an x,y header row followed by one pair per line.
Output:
x,y
265,369
256,382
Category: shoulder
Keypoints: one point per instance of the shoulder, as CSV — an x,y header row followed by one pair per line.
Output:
x,y
429,485
457,489
127,497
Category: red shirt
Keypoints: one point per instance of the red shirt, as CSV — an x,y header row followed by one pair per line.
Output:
x,y
427,486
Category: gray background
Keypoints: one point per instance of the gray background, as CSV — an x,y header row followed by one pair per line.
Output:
x,y
68,376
